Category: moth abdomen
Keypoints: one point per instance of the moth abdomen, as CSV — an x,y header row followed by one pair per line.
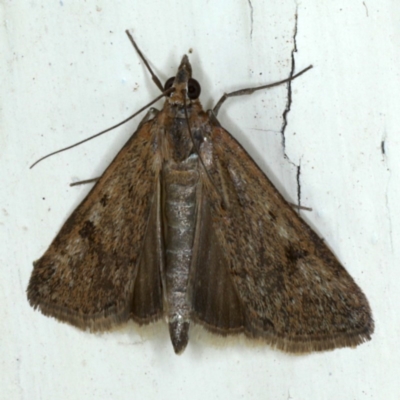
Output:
x,y
179,207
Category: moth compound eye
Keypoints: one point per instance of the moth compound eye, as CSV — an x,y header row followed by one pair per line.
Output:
x,y
169,84
194,89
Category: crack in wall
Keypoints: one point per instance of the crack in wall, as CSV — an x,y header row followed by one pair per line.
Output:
x,y
288,108
388,210
383,144
366,8
251,18
298,187
289,88
387,204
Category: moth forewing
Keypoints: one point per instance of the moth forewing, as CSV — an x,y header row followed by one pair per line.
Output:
x,y
299,297
87,275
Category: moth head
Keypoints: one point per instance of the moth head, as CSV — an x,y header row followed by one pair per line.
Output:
x,y
184,84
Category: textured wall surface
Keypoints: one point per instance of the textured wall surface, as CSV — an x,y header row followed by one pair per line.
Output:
x,y
69,71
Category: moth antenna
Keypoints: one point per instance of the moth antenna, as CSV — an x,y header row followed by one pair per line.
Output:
x,y
166,92
196,148
154,77
246,91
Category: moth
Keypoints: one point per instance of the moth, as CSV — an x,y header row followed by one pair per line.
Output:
x,y
183,225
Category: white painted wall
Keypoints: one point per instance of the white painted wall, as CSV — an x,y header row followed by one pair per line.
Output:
x,y
68,71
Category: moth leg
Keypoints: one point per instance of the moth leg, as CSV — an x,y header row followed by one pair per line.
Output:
x,y
300,207
85,181
246,91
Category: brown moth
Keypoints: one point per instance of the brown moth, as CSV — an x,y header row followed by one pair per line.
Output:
x,y
183,225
